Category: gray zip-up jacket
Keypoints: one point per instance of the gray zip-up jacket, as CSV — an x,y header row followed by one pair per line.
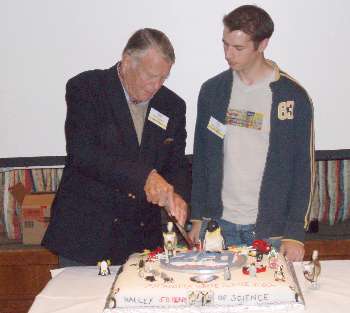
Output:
x,y
287,183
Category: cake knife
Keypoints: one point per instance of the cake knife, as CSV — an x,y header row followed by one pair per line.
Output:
x,y
181,229
183,232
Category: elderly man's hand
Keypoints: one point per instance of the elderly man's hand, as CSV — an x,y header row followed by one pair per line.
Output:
x,y
177,207
293,250
157,189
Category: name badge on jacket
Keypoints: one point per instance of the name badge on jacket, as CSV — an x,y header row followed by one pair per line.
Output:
x,y
216,127
158,118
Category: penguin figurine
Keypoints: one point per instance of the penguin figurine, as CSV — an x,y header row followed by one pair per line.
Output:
x,y
103,267
170,241
213,239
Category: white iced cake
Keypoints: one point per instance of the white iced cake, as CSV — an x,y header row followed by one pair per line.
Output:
x,y
190,281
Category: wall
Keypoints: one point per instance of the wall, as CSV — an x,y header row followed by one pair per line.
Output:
x,y
43,43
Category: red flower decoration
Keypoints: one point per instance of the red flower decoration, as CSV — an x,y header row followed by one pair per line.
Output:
x,y
153,254
261,246
259,269
245,270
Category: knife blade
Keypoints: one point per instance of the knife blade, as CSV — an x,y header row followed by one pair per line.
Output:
x,y
183,233
181,229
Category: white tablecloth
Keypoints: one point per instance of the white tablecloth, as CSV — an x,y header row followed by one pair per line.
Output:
x,y
81,290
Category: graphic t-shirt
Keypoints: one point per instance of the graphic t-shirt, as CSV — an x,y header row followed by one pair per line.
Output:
x,y
246,144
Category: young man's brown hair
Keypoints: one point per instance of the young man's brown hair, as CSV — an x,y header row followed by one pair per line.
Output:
x,y
252,20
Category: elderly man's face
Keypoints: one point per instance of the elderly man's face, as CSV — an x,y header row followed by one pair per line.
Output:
x,y
143,75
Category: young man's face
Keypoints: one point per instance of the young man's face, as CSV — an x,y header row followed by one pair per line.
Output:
x,y
145,74
240,51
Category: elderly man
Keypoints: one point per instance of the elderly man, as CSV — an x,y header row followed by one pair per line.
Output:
x,y
126,137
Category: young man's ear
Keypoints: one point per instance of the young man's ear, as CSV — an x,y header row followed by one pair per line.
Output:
x,y
263,44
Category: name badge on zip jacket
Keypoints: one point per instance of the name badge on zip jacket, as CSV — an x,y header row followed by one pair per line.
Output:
x,y
216,127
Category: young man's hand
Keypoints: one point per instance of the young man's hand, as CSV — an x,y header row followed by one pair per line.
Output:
x,y
293,250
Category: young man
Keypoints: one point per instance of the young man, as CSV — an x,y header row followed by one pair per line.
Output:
x,y
253,163
126,140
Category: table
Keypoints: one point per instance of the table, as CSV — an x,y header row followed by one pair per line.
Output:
x,y
81,290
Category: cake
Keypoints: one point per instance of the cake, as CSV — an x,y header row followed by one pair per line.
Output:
x,y
233,280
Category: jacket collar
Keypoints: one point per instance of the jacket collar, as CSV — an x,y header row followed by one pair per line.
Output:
x,y
116,98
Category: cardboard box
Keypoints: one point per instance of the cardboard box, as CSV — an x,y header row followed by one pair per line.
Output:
x,y
36,209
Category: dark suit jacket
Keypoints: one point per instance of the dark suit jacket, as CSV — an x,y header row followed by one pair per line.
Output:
x,y
101,205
